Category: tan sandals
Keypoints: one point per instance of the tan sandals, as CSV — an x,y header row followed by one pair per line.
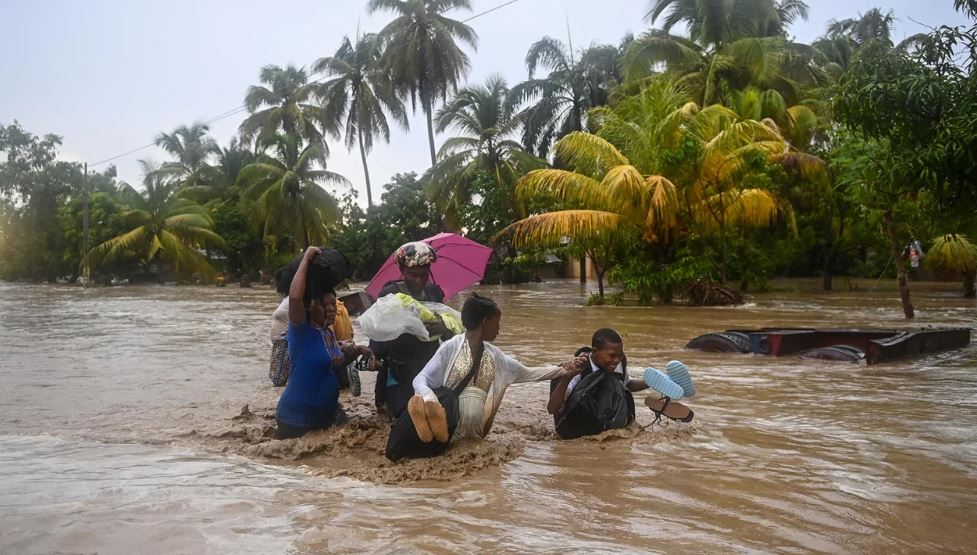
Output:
x,y
430,420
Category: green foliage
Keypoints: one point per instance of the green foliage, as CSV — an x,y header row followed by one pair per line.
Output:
x,y
643,274
243,248
368,238
105,220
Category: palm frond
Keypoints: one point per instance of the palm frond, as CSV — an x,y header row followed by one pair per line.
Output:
x,y
549,230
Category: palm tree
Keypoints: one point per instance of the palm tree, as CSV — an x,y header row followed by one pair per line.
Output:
x,y
192,149
358,95
421,52
716,23
230,162
161,224
873,25
954,254
285,105
623,179
488,122
287,191
560,101
714,75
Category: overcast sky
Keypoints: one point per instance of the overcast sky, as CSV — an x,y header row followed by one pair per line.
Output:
x,y
108,75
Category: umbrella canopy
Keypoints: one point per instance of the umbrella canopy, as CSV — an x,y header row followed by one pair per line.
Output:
x,y
460,264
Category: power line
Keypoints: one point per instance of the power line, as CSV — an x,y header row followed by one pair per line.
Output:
x,y
243,107
499,7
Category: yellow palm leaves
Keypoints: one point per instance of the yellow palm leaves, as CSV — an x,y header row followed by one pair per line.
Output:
x,y
663,167
952,253
606,193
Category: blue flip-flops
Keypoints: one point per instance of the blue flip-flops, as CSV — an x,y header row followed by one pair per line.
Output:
x,y
680,375
660,382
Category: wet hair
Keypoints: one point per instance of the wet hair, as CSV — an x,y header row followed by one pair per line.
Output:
x,y
476,310
604,336
326,270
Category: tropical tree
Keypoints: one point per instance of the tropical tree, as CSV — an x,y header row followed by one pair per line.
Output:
x,y
558,102
286,187
230,161
716,23
358,97
283,103
954,254
873,25
422,52
192,150
658,167
488,123
714,75
160,224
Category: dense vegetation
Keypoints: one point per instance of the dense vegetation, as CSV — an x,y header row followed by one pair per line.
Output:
x,y
726,156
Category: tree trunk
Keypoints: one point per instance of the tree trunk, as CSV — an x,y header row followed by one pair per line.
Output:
x,y
583,270
430,136
600,284
901,277
366,170
829,257
969,289
725,257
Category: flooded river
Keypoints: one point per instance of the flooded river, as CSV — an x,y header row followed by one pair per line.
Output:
x,y
123,428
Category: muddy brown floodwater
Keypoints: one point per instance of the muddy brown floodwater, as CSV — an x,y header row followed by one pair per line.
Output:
x,y
139,419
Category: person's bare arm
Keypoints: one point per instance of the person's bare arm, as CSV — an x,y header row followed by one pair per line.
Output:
x,y
296,292
558,396
636,385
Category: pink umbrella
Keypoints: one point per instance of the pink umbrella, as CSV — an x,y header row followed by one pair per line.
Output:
x,y
460,264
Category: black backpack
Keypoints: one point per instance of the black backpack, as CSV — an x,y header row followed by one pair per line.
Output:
x,y
598,402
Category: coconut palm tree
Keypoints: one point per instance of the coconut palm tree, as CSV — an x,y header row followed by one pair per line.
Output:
x,y
422,52
873,25
286,188
712,75
283,103
559,101
162,225
488,124
716,23
231,160
954,255
358,97
192,149
623,179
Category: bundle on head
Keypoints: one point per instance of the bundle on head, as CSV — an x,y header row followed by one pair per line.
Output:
x,y
326,270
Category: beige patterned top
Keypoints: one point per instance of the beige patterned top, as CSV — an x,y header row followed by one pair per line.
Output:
x,y
463,364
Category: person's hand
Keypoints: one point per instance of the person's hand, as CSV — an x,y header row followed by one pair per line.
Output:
x,y
575,365
311,252
349,348
436,327
581,361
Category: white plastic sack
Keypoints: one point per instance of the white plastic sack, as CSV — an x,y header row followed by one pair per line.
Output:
x,y
388,319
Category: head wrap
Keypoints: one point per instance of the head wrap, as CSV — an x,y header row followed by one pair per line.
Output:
x,y
412,255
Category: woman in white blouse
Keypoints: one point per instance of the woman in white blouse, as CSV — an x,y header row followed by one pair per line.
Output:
x,y
480,399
